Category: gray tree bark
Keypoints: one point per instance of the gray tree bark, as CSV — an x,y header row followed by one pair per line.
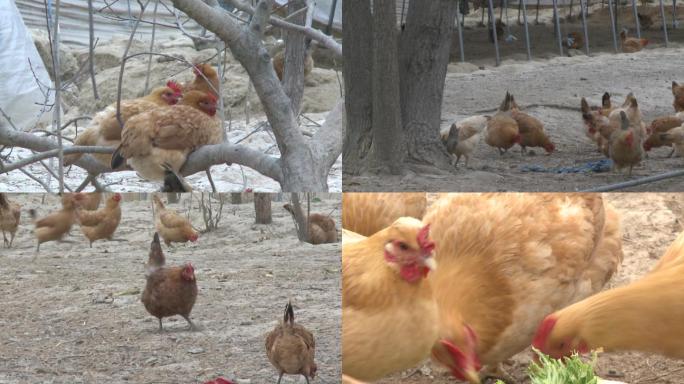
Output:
x,y
388,141
262,207
295,52
425,44
236,198
357,72
414,72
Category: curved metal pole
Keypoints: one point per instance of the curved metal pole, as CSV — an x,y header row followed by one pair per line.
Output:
x,y
612,24
527,32
460,33
633,183
583,10
636,18
493,24
558,32
662,16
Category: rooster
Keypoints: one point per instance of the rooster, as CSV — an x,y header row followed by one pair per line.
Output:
x,y
206,80
171,226
389,317
506,260
678,93
631,44
163,137
502,130
105,130
461,138
101,224
291,348
169,291
10,215
368,213
643,316
531,130
54,226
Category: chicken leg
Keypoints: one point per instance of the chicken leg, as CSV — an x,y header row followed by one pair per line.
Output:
x,y
192,326
161,329
280,377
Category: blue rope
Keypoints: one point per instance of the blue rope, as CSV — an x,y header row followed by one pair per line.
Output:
x,y
603,165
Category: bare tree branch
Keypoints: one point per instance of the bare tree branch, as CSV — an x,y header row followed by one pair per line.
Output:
x,y
323,39
52,153
209,155
37,180
123,63
57,112
14,138
91,48
327,141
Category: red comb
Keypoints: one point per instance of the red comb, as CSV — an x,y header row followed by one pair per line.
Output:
x,y
544,331
174,86
211,97
219,380
423,239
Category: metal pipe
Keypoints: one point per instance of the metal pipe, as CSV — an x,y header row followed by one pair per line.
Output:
x,y
527,32
460,33
558,32
633,183
613,31
662,16
331,18
636,18
674,14
584,10
493,24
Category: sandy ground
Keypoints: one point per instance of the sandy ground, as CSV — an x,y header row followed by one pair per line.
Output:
x,y
234,178
555,86
74,314
650,223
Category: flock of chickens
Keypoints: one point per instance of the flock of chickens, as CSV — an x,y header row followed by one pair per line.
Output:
x,y
157,132
170,290
618,131
472,279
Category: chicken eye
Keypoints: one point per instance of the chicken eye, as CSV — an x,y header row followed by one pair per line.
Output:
x,y
562,345
403,246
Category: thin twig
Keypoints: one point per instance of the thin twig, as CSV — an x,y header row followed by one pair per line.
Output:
x,y
37,180
123,63
149,62
91,48
52,153
56,117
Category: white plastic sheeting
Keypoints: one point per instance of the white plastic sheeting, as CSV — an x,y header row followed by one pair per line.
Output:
x,y
74,19
21,97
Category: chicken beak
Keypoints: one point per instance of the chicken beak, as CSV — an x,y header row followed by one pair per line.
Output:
x,y
472,376
430,263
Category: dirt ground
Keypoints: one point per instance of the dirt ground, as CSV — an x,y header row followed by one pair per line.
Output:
x,y
74,315
552,88
650,223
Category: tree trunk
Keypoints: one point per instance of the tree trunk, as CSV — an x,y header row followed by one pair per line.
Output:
x,y
173,197
388,147
357,73
295,52
425,44
262,207
236,198
301,219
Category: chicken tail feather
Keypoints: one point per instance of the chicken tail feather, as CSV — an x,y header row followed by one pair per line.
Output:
x,y
117,159
289,313
173,182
